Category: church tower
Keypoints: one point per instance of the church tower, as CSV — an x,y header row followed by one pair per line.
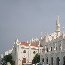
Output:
x,y
58,26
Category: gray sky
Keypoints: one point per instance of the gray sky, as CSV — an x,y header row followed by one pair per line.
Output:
x,y
25,19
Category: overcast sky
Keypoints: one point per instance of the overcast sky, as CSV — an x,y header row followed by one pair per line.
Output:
x,y
24,19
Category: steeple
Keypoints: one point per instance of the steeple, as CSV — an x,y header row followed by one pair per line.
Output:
x,y
17,40
57,24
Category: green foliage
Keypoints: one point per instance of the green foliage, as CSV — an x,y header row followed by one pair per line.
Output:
x,y
36,59
8,58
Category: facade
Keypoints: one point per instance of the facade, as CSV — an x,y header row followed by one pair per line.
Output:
x,y
54,45
24,52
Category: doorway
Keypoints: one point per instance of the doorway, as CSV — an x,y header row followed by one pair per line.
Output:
x,y
24,60
57,61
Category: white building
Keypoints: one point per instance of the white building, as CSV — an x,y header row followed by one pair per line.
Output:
x,y
24,52
54,45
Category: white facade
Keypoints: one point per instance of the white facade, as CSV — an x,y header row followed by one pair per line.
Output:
x,y
24,52
54,47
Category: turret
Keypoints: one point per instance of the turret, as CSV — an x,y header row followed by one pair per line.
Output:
x,y
58,26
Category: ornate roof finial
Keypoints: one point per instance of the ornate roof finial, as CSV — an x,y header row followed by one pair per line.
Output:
x,y
17,40
39,43
27,41
41,35
57,24
32,39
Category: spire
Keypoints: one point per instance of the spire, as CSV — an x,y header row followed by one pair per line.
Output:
x,y
57,24
32,39
30,43
17,40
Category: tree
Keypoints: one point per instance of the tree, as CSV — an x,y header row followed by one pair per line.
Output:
x,y
36,59
8,58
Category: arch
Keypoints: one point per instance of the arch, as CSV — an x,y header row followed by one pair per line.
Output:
x,y
24,51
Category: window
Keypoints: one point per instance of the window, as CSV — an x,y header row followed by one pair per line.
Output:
x,y
33,52
56,48
24,51
59,47
43,60
51,48
47,60
47,49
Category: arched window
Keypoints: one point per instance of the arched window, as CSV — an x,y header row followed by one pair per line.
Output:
x,y
59,47
47,49
24,51
56,48
43,60
47,60
51,48
34,52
